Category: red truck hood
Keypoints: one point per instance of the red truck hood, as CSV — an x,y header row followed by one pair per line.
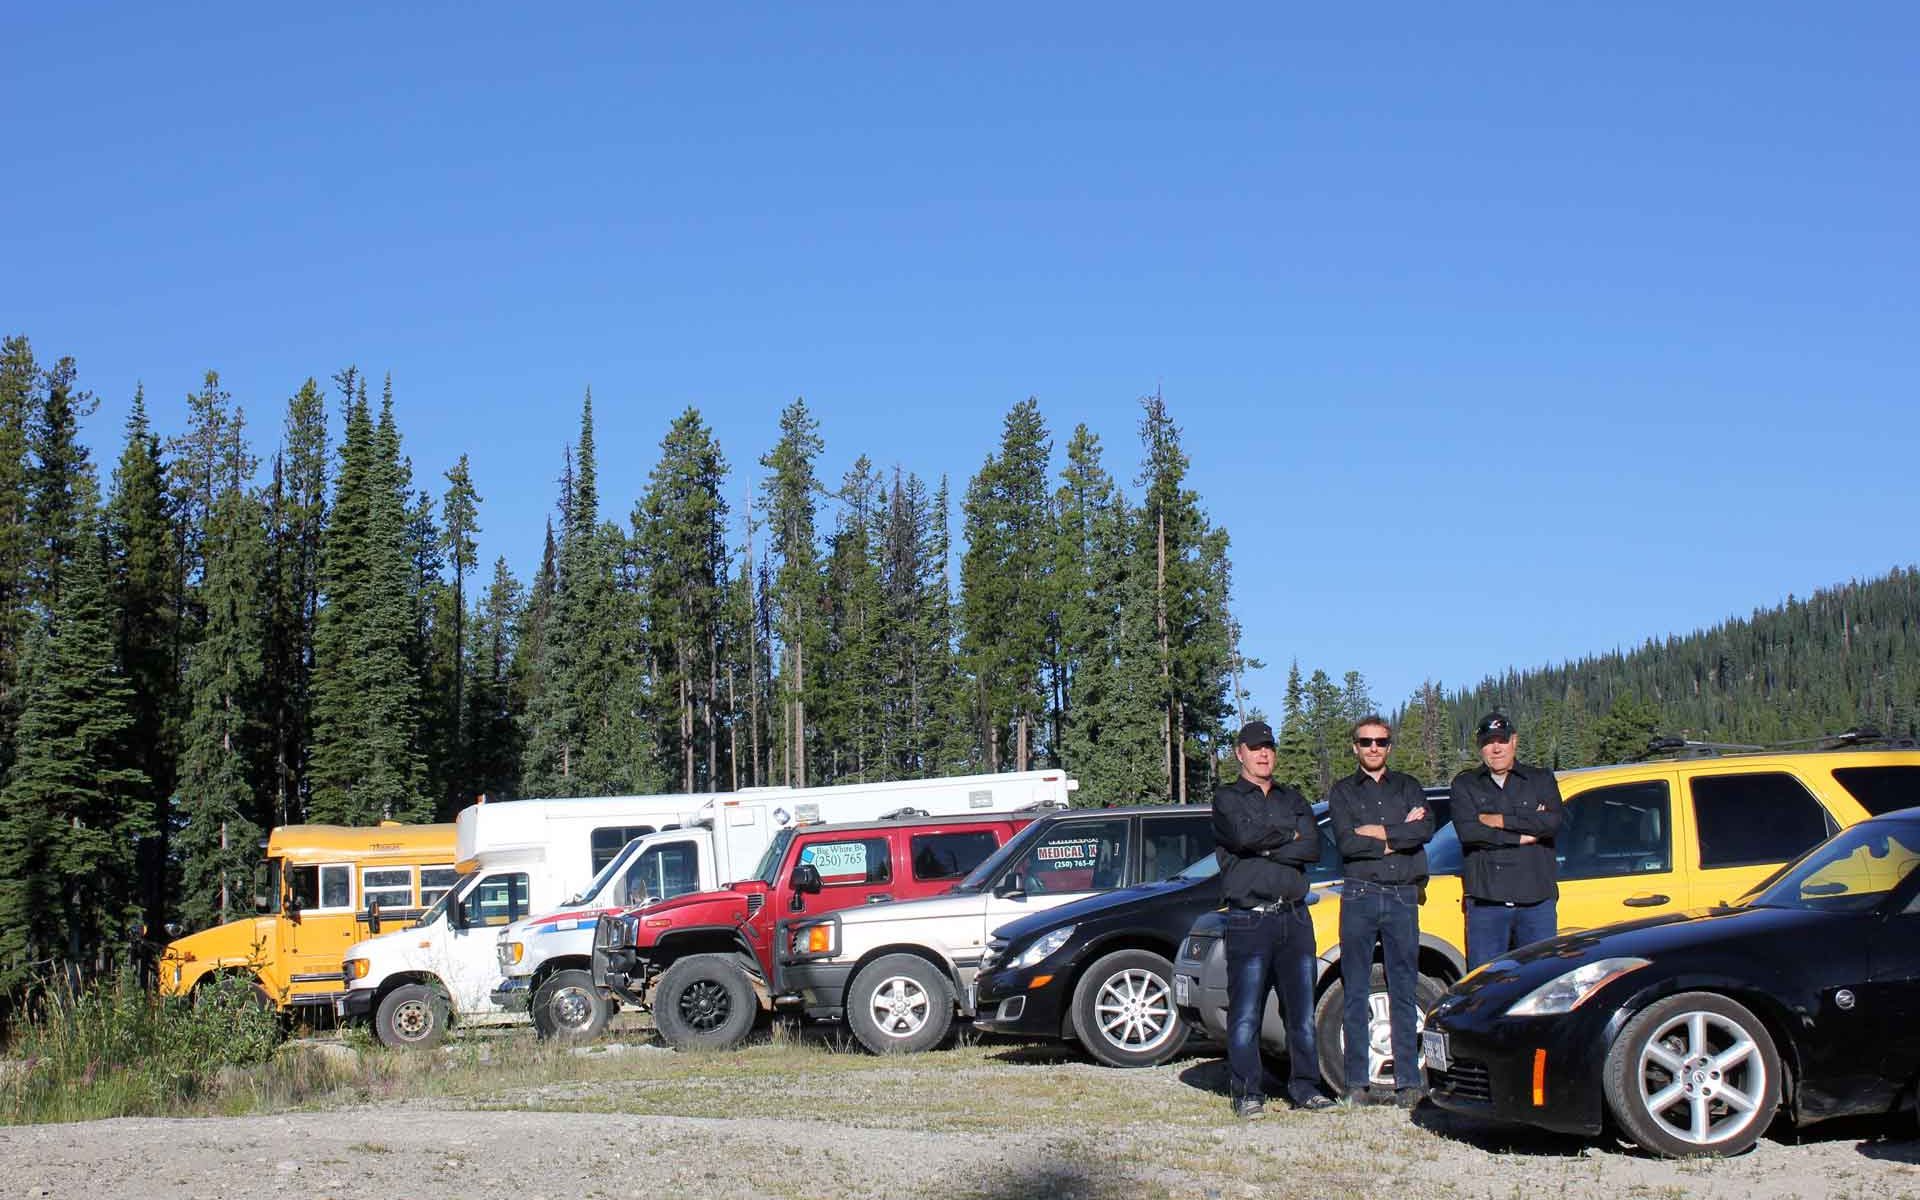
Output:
x,y
726,906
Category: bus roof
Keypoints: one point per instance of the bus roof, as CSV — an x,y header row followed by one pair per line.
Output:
x,y
331,843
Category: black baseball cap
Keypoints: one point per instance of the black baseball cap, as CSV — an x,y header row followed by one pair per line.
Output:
x,y
1494,727
1255,734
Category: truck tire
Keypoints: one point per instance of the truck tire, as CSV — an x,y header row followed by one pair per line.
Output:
x,y
412,1016
569,1008
1123,1010
1329,1019
704,1002
900,1004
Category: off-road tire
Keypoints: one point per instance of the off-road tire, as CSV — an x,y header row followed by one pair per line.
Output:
x,y
1329,1021
568,1008
900,1004
1123,1011
705,1002
412,1016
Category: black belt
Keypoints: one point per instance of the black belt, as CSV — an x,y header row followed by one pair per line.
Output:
x,y
1506,903
1271,906
1363,884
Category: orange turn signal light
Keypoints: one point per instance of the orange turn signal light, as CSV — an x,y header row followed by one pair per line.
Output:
x,y
1040,981
1539,1078
820,939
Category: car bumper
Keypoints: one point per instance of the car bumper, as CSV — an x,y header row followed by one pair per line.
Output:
x,y
355,1004
821,987
1493,1065
514,995
1007,1002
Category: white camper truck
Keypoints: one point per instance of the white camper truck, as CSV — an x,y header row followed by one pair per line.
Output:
x,y
515,857
545,962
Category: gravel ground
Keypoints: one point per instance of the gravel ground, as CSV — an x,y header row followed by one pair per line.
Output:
x,y
528,1143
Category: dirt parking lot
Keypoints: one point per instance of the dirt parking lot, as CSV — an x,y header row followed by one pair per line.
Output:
x,y
503,1118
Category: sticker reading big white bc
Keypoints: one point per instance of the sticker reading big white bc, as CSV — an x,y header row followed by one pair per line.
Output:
x,y
837,858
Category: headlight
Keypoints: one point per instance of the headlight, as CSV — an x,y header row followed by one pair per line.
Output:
x,y
1567,992
1037,953
356,968
1197,948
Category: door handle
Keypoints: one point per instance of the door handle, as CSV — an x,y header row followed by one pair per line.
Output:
x,y
879,897
1653,901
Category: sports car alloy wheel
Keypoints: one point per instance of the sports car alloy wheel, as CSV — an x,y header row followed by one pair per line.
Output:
x,y
1694,1074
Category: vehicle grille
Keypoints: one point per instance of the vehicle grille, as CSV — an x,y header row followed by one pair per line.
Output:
x,y
1467,1080
754,901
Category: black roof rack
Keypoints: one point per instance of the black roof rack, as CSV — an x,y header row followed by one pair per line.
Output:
x,y
1682,747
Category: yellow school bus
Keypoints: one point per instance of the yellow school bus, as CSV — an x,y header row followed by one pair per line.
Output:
x,y
323,884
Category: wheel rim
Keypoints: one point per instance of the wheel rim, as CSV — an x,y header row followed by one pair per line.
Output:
x,y
1701,1078
1133,1011
571,1008
900,1006
1380,1037
705,1005
413,1020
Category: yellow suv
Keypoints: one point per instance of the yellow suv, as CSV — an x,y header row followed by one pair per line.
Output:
x,y
1638,839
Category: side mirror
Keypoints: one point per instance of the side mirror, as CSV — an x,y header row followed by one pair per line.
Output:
x,y
805,878
457,915
1013,883
293,909
373,917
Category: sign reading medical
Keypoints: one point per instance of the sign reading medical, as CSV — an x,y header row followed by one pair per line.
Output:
x,y
1068,856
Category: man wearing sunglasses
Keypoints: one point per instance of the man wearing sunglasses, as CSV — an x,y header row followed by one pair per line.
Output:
x,y
1507,815
1381,823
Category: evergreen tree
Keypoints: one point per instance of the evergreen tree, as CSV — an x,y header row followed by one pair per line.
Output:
x,y
854,672
461,506
141,541
218,789
492,700
71,812
793,563
19,381
296,519
1005,605
60,484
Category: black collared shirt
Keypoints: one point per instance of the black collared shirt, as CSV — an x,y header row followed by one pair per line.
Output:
x,y
1497,866
1264,842
1358,799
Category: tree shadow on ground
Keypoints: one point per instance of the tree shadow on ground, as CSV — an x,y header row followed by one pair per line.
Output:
x,y
1055,1181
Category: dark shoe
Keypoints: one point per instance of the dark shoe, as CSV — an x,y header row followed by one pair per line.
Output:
x,y
1313,1103
1409,1098
1250,1108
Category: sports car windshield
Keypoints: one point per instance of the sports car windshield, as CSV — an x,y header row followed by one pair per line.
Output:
x,y
1851,872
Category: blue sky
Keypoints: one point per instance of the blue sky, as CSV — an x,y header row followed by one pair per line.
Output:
x,y
1499,335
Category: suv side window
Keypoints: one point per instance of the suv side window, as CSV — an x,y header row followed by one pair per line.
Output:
x,y
852,861
1752,820
663,872
1331,865
1076,856
1881,789
950,855
1169,845
1626,829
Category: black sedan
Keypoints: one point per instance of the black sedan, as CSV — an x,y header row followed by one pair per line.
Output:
x,y
1692,1030
1098,971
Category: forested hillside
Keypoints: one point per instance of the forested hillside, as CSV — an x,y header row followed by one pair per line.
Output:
x,y
252,624
1846,657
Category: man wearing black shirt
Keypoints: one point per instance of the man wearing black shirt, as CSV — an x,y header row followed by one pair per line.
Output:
x,y
1507,815
1381,823
1265,839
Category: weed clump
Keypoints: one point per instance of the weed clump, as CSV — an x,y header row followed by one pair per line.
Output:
x,y
113,1049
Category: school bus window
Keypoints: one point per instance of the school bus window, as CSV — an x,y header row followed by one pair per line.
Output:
x,y
436,882
389,887
318,889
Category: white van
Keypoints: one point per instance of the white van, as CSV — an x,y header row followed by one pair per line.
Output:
x,y
545,962
515,857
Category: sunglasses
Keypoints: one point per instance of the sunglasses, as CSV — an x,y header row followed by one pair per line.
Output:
x,y
1383,743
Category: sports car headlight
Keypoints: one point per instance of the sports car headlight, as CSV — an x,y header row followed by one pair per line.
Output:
x,y
1564,993
1037,953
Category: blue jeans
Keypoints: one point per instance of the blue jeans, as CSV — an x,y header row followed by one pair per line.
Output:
x,y
1272,950
1389,914
1494,928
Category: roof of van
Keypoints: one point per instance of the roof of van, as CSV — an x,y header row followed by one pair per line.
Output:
x,y
1027,814
333,842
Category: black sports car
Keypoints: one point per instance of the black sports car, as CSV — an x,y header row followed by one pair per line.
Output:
x,y
1692,1030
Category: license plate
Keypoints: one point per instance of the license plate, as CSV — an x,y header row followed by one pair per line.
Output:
x,y
1433,1050
1182,993
973,996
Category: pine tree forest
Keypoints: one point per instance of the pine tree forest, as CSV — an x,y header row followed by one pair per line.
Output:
x,y
254,624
